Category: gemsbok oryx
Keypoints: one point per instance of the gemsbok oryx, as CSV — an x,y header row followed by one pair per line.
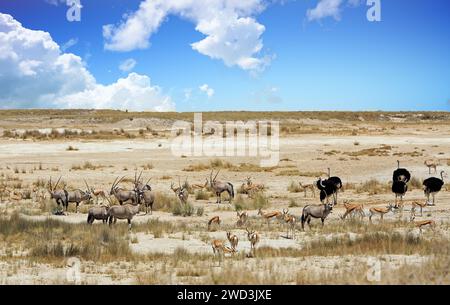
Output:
x,y
60,195
181,192
219,187
126,211
78,196
315,211
98,213
121,194
147,198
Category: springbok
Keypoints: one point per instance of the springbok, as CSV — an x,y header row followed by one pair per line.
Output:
x,y
78,196
250,188
242,218
219,187
213,221
59,195
416,204
269,215
431,164
317,211
290,222
421,223
253,238
219,248
353,208
305,187
380,211
123,195
233,239
98,193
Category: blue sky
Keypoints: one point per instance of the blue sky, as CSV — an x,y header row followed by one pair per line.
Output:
x,y
337,61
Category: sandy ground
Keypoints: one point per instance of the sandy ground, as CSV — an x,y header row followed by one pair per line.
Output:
x,y
307,153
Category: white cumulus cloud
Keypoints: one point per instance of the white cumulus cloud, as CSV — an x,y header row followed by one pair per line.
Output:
x,y
35,73
133,92
232,33
68,44
325,8
127,65
207,89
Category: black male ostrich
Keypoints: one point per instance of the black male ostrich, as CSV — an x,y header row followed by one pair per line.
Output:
x,y
337,182
432,186
399,188
327,188
401,174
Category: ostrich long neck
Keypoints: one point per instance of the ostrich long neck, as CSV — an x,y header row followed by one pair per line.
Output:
x,y
320,182
442,175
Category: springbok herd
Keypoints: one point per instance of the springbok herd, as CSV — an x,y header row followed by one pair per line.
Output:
x,y
142,194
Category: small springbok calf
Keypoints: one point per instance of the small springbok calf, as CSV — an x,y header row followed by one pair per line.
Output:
x,y
269,215
431,164
380,211
416,204
353,208
242,218
233,239
98,193
316,211
421,223
220,249
213,221
290,222
310,187
253,238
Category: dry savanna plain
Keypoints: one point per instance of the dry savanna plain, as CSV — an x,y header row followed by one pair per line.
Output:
x,y
172,245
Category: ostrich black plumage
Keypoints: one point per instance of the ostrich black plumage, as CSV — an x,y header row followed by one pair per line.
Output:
x,y
401,174
327,188
337,182
399,188
432,186
400,178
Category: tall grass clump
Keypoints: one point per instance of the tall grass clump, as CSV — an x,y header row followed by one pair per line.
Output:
x,y
294,187
183,209
259,201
